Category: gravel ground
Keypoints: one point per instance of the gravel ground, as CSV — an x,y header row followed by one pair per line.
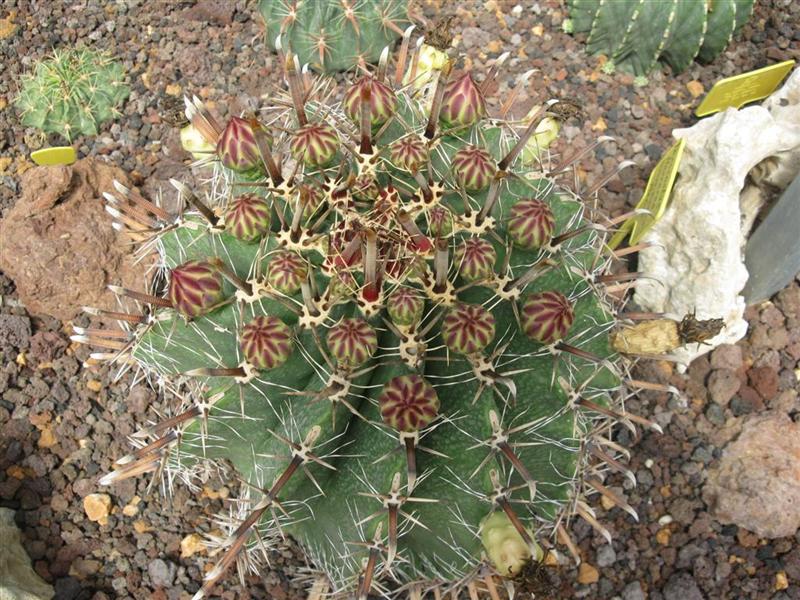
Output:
x,y
63,425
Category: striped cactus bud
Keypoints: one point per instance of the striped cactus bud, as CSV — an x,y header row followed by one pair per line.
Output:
x,y
248,218
313,197
409,153
531,224
315,144
266,342
408,403
475,257
463,103
342,285
352,342
440,222
382,101
468,328
547,316
287,271
195,288
237,148
405,307
365,188
473,168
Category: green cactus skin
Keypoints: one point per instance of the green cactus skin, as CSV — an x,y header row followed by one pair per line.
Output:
x,y
636,34
334,35
72,93
686,37
720,28
383,436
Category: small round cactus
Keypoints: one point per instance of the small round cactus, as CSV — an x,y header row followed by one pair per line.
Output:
x,y
73,93
397,335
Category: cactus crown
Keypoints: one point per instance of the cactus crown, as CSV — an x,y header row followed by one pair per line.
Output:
x,y
636,34
408,360
72,93
335,35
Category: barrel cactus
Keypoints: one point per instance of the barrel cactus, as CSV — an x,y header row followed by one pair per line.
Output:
x,y
334,35
72,93
396,334
636,34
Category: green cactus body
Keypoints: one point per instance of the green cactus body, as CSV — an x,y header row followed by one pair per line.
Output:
x,y
686,37
412,408
719,31
636,34
605,29
72,93
744,8
333,35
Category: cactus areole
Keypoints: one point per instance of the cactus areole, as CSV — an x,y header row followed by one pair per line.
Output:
x,y
396,334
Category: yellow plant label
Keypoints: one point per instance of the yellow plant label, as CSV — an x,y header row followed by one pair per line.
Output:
x,y
738,90
655,198
60,155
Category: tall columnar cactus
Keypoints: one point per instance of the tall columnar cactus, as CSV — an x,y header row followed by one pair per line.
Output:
x,y
72,93
636,34
334,35
395,333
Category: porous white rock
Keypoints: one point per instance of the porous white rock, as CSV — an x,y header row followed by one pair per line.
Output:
x,y
696,260
18,580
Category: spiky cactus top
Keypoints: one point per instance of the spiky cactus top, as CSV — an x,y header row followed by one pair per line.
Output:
x,y
334,35
392,331
72,93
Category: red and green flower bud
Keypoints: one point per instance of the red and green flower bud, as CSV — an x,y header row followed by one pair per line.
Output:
x,y
463,103
365,188
382,101
195,288
248,217
237,148
266,342
473,168
408,403
409,153
352,342
342,284
475,258
468,328
546,316
405,307
531,224
315,144
313,198
287,271
440,222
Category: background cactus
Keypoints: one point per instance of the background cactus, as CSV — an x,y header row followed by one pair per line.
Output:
x,y
635,34
334,35
412,374
72,93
